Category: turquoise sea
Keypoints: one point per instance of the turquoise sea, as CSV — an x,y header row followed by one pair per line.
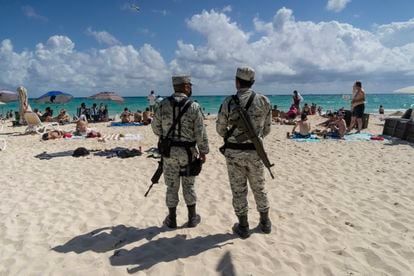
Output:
x,y
211,104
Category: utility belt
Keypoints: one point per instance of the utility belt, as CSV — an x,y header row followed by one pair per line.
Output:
x,y
184,144
238,146
193,167
165,145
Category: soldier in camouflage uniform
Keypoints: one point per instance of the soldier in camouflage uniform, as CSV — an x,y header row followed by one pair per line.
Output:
x,y
243,162
189,132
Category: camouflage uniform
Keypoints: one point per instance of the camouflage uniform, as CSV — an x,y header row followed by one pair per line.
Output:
x,y
243,165
189,129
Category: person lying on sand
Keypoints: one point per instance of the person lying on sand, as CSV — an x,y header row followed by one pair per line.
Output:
x,y
55,134
82,129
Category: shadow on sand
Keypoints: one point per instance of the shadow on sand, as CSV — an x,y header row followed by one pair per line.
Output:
x,y
170,249
108,238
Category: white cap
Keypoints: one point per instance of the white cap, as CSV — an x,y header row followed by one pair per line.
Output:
x,y
245,73
181,80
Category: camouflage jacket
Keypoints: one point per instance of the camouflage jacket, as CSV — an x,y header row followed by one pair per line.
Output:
x,y
189,129
259,113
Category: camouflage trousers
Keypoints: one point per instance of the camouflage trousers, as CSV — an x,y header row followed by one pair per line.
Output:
x,y
243,166
172,166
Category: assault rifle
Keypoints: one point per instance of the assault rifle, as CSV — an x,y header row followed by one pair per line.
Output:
x,y
156,177
246,123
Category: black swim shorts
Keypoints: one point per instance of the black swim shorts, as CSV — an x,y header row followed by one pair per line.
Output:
x,y
358,111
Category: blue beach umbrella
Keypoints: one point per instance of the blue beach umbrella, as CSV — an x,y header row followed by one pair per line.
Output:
x,y
8,96
54,97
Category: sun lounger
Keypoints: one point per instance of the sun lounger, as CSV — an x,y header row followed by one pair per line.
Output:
x,y
400,129
410,132
34,125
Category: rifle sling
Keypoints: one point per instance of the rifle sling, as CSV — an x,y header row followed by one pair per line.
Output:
x,y
176,120
237,101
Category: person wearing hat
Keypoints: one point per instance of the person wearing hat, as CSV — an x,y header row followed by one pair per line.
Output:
x,y
63,117
243,162
187,142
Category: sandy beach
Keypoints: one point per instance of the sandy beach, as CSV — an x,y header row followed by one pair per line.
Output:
x,y
337,207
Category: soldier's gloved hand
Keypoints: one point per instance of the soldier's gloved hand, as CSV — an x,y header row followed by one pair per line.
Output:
x,y
202,157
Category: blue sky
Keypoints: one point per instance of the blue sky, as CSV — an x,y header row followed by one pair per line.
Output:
x,y
314,46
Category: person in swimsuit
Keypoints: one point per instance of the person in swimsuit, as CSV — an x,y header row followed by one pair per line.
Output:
x,y
304,128
297,98
54,134
357,106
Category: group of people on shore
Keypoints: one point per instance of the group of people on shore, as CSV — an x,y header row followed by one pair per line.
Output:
x,y
137,117
94,113
335,126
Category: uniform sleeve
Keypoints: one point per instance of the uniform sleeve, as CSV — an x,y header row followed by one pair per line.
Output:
x,y
156,122
222,121
268,118
200,132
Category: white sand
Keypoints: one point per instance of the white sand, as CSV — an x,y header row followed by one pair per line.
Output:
x,y
338,208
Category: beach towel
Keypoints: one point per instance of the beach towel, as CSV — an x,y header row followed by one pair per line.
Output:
x,y
311,138
117,137
119,124
131,137
357,137
111,136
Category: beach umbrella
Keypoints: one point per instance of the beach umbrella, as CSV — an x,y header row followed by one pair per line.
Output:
x,y
107,96
54,97
8,96
405,90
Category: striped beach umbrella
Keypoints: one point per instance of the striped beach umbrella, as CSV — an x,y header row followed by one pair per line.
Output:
x,y
405,90
107,96
8,96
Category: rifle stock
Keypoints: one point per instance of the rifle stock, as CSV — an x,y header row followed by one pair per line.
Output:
x,y
156,177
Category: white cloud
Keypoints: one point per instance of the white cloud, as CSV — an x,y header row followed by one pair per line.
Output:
x,y
103,37
227,8
290,52
286,53
336,5
57,65
30,12
396,33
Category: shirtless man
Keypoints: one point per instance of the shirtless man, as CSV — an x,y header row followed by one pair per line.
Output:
x,y
304,128
357,106
340,125
125,116
147,116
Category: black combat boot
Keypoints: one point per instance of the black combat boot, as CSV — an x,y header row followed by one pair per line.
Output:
x,y
265,224
193,218
242,228
171,220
